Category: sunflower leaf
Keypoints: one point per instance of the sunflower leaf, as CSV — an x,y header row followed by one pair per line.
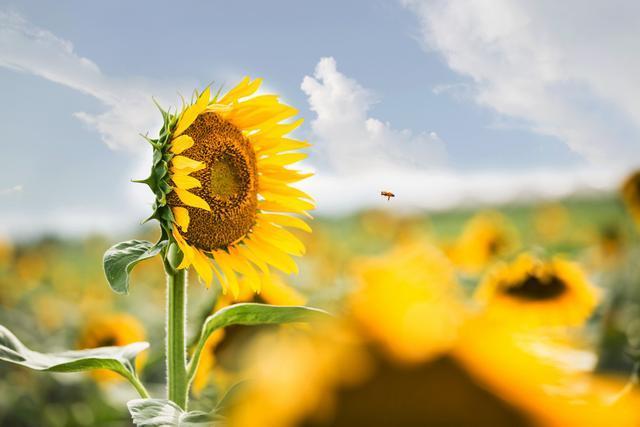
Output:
x,y
249,314
165,413
120,259
117,359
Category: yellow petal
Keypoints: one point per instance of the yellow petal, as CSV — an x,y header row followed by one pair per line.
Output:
x,y
286,221
191,199
291,202
277,130
282,159
266,205
192,112
272,255
182,162
242,90
203,267
181,215
187,251
277,174
185,182
282,190
230,276
181,143
280,238
245,252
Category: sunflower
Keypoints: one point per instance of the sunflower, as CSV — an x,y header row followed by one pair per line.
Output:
x,y
531,291
408,300
223,185
108,330
486,237
485,379
631,195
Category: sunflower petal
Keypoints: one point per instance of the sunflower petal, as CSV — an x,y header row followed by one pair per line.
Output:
x,y
203,267
191,113
185,182
243,89
182,162
191,199
181,143
286,221
181,215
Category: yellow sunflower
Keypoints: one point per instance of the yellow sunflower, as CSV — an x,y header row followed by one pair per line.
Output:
x,y
631,195
108,330
486,237
530,291
408,300
484,380
223,185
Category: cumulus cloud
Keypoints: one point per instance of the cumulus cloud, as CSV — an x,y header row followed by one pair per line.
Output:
x,y
129,110
567,69
351,140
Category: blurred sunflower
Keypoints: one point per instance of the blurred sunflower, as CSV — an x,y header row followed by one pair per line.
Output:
x,y
485,380
631,195
486,237
223,188
408,300
531,292
111,330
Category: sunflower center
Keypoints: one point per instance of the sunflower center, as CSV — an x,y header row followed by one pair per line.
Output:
x,y
229,183
225,181
536,289
107,342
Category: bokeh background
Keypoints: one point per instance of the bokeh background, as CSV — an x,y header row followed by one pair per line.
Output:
x,y
500,126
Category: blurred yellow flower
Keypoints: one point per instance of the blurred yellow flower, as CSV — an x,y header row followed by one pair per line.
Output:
x,y
293,374
111,330
533,292
329,378
230,195
485,238
408,301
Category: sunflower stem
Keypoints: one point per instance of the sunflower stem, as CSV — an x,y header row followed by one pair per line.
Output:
x,y
177,382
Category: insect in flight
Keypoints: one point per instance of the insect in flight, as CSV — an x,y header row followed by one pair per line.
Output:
x,y
387,194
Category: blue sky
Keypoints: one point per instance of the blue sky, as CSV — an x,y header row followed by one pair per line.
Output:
x,y
441,100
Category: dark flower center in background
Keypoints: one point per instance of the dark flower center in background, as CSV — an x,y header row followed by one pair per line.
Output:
x,y
536,289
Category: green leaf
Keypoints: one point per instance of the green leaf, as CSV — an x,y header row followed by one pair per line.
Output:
x,y
251,314
258,314
165,413
117,359
120,259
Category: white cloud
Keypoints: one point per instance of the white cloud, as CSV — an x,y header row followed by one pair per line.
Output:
x,y
350,139
568,69
130,111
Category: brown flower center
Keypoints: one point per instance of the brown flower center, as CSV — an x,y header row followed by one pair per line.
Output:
x,y
535,288
229,183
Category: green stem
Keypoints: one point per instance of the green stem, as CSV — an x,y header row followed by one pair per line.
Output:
x,y
135,381
177,382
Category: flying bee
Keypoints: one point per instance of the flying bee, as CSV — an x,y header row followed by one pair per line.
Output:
x,y
387,194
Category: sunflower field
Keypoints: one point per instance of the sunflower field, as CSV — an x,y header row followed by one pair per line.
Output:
x,y
511,315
